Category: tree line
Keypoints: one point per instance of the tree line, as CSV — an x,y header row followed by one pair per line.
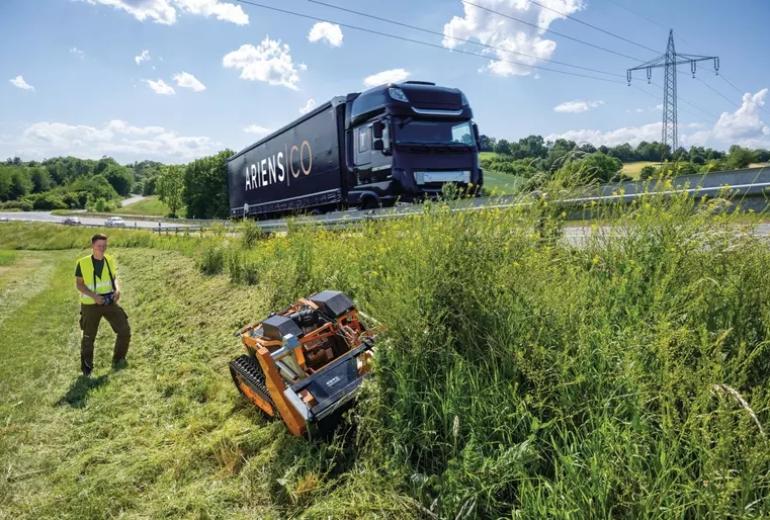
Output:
x,y
200,187
98,185
534,157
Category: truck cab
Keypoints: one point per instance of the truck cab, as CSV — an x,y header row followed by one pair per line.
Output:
x,y
407,141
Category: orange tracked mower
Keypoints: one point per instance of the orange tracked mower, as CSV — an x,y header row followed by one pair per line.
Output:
x,y
305,363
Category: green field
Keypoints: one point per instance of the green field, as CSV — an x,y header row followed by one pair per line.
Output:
x,y
496,183
519,376
633,169
150,206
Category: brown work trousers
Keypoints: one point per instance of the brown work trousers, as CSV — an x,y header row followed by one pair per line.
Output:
x,y
90,316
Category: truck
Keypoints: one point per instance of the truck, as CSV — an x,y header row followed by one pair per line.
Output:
x,y
400,141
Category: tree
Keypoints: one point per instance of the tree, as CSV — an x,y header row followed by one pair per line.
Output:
x,y
41,179
558,151
170,187
762,155
739,157
486,143
596,167
531,146
624,152
120,177
503,147
205,187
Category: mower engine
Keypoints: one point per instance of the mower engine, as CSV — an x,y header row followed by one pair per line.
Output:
x,y
306,362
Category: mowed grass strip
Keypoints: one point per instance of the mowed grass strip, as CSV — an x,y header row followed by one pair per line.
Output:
x,y
151,206
167,437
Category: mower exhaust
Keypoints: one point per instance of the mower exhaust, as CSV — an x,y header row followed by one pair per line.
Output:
x,y
306,362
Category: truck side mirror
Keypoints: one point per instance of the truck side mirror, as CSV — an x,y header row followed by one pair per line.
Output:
x,y
476,135
377,129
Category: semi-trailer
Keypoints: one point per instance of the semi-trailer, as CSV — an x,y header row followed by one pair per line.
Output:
x,y
400,141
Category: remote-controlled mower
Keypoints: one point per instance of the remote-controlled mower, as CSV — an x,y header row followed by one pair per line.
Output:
x,y
306,362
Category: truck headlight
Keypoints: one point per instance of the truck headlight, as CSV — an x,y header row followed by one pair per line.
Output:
x,y
397,94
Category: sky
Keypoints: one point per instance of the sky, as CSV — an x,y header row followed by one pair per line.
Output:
x,y
174,80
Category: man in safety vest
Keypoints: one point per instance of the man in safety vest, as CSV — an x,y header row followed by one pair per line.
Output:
x,y
96,277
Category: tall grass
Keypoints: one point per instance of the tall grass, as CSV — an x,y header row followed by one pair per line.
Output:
x,y
525,375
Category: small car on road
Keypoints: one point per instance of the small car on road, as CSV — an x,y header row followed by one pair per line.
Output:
x,y
71,221
115,222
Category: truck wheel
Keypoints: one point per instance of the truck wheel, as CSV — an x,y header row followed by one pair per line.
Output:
x,y
370,203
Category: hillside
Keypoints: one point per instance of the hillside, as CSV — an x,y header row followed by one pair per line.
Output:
x,y
519,376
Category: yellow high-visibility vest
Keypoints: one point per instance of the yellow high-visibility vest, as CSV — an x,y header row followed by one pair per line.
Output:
x,y
99,284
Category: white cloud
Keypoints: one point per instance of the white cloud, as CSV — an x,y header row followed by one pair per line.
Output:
x,y
19,82
633,135
187,80
330,32
224,11
508,36
386,76
159,11
270,62
165,11
257,130
116,138
142,56
77,52
160,87
309,105
574,107
744,127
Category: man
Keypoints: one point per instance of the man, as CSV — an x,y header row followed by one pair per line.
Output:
x,y
96,277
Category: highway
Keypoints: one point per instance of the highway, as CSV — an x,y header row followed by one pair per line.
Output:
x,y
750,187
85,220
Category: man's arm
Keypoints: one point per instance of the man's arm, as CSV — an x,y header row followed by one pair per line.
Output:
x,y
116,297
83,288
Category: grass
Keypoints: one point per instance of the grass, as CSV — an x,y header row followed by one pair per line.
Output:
x,y
497,183
151,206
519,377
7,257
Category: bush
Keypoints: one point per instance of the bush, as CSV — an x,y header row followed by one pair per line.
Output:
x,y
506,164
212,260
646,172
23,205
48,201
251,233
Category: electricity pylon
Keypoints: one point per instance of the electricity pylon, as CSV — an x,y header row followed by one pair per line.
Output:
x,y
669,61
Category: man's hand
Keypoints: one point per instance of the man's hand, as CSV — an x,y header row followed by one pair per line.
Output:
x,y
99,299
116,296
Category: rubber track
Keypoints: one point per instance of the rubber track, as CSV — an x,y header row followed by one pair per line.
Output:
x,y
248,368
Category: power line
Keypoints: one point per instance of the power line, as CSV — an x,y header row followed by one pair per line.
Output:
x,y
610,33
420,42
463,40
689,111
638,14
691,104
741,92
546,29
718,93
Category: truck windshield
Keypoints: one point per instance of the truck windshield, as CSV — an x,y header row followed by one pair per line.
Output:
x,y
433,132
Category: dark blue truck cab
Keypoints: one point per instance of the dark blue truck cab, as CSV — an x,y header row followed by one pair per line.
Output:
x,y
401,141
